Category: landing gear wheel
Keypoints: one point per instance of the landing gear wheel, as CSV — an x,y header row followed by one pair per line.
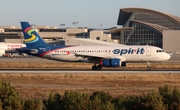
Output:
x,y
94,67
99,67
148,68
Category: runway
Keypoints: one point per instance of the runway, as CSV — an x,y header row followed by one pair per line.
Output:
x,y
116,81
174,59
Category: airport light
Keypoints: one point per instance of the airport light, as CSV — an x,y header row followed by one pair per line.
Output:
x,y
62,24
75,23
101,26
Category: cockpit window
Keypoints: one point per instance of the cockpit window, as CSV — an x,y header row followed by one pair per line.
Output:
x,y
158,51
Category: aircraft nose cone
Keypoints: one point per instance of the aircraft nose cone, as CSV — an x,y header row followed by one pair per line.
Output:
x,y
168,56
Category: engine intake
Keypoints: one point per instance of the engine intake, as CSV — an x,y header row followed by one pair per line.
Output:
x,y
110,63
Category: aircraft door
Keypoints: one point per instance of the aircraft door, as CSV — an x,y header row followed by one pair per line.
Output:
x,y
148,51
48,52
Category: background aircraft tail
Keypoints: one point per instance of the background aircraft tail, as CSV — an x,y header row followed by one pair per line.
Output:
x,y
32,39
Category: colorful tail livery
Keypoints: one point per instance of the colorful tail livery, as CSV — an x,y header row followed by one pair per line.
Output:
x,y
32,39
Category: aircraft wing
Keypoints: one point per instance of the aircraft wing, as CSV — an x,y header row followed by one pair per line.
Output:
x,y
90,55
100,57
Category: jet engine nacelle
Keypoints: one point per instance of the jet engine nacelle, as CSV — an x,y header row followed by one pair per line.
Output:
x,y
110,62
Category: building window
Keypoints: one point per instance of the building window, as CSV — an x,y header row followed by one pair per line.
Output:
x,y
97,38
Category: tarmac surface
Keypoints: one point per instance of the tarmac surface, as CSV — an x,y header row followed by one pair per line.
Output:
x,y
30,82
174,59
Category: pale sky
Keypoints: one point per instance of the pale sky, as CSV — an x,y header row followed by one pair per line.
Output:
x,y
89,13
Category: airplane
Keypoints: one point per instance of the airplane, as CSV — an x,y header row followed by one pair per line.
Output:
x,y
9,47
100,56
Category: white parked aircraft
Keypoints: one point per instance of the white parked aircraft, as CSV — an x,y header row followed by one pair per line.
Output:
x,y
9,47
101,56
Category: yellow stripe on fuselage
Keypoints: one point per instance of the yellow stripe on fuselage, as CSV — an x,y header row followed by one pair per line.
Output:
x,y
33,37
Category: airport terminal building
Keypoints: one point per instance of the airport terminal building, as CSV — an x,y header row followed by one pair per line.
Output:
x,y
139,26
57,36
149,27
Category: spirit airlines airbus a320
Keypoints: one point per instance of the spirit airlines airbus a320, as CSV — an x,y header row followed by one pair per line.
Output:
x,y
101,56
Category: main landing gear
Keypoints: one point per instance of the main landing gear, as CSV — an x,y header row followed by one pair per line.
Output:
x,y
94,67
148,66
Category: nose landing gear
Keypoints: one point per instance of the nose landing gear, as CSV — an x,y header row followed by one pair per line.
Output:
x,y
148,66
